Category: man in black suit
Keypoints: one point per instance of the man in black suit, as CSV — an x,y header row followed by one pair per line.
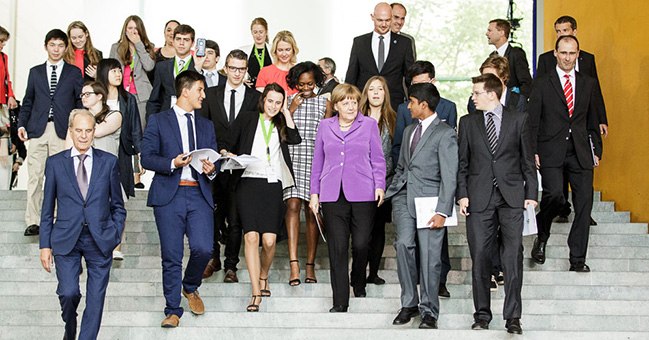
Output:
x,y
328,67
566,137
381,53
496,182
209,71
520,80
163,94
223,110
585,64
398,20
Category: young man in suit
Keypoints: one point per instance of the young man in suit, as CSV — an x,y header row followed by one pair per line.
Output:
x,y
566,138
424,72
223,110
381,53
83,184
496,182
398,20
328,67
427,167
53,90
520,80
212,56
180,196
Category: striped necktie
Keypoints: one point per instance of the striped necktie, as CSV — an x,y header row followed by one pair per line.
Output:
x,y
570,98
53,82
492,136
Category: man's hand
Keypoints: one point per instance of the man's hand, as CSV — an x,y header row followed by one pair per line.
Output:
x,y
180,161
208,167
528,202
596,161
46,259
437,221
603,129
379,194
16,167
314,203
12,103
464,205
538,162
198,63
22,134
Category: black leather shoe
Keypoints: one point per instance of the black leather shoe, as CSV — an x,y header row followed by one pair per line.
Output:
x,y
375,280
338,309
480,325
443,292
561,219
538,251
514,326
405,314
360,292
139,185
579,267
428,322
32,230
592,221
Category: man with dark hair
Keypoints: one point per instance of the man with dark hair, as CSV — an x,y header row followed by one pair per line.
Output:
x,y
496,182
163,96
585,64
328,67
427,167
381,53
398,20
520,80
567,142
222,106
53,90
180,193
212,56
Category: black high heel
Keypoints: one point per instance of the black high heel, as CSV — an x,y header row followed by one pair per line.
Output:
x,y
294,282
254,307
265,292
309,279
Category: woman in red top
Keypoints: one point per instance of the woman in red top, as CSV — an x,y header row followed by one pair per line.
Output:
x,y
284,52
82,54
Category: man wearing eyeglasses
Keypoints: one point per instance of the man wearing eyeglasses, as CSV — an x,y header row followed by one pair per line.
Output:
x,y
222,106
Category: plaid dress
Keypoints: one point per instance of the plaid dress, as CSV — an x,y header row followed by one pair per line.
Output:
x,y
306,117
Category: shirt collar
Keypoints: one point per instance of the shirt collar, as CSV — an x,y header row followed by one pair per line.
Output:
x,y
427,121
180,112
186,59
503,97
387,36
59,64
563,73
498,111
501,51
74,152
229,88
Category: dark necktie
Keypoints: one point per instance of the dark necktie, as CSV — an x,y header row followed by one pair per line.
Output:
x,y
415,139
491,135
567,91
82,176
53,82
381,52
192,142
232,104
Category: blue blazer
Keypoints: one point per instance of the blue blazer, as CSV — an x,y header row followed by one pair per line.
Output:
x,y
37,100
163,86
161,143
446,112
103,210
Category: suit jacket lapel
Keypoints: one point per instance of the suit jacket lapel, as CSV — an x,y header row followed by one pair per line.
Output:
x,y
97,165
333,125
579,92
482,129
64,74
173,123
220,96
371,54
504,128
426,135
556,83
69,169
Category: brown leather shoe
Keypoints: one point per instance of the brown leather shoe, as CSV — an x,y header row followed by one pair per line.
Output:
x,y
212,267
171,321
195,302
230,276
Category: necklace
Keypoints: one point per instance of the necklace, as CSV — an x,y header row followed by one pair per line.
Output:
x,y
345,126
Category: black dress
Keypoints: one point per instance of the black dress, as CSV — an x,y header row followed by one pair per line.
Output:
x,y
253,63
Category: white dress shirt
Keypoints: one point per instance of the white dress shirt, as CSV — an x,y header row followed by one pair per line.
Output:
x,y
502,49
87,163
562,79
186,174
59,69
240,92
375,45
424,125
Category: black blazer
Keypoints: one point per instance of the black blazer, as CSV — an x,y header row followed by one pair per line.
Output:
x,y
513,100
519,70
512,164
362,65
86,62
163,86
214,110
130,141
548,62
242,136
551,123
330,86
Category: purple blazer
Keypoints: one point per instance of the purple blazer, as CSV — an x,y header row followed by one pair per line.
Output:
x,y
354,160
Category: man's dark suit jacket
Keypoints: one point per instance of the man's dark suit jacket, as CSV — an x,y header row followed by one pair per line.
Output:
x,y
548,63
446,112
328,87
519,70
37,100
214,110
551,123
362,65
512,164
514,101
163,86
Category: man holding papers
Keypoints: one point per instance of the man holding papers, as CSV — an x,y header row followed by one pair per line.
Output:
x,y
427,167
180,195
496,181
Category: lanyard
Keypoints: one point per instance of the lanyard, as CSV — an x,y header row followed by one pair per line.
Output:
x,y
184,67
131,75
263,56
266,135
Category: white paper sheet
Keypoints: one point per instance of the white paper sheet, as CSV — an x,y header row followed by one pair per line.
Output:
x,y
199,154
529,221
425,209
239,162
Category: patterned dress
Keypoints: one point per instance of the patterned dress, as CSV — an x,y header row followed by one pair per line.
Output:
x,y
306,117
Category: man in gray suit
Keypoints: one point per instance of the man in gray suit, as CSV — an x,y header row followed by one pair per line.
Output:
x,y
427,167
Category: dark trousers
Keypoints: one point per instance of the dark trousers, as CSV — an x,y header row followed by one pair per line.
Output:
x,y
446,261
377,239
68,268
186,214
342,219
481,230
225,208
553,199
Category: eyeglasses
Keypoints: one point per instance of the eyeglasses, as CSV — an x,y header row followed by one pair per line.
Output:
x,y
236,69
86,94
475,94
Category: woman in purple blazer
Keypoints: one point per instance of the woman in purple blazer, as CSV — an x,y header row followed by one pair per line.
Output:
x,y
348,177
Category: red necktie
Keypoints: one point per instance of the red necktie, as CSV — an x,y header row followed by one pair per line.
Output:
x,y
570,98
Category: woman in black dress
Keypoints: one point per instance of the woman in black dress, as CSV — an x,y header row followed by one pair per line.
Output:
x,y
258,52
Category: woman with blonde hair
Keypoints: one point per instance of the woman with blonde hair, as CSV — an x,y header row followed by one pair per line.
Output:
x,y
82,54
284,52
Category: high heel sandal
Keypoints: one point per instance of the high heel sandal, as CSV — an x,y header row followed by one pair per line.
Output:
x,y
254,307
265,292
309,279
294,282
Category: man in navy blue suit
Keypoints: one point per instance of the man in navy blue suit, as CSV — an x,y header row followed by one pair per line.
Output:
x,y
53,90
181,197
83,183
